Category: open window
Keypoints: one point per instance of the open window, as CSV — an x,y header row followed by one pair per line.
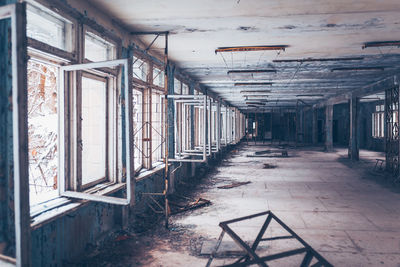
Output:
x,y
223,128
215,126
187,149
51,43
230,125
88,145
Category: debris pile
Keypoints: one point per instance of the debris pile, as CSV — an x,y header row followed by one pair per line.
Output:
x,y
229,186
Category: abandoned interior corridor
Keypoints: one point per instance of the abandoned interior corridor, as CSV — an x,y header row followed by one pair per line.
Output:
x,y
199,133
334,205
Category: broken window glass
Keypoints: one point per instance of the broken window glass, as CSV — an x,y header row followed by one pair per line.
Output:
x,y
42,130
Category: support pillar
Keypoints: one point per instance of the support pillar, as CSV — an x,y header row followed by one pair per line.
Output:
x,y
314,126
301,126
354,133
328,128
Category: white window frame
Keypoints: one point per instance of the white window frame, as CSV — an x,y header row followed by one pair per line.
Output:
x,y
215,123
223,133
190,100
61,177
378,121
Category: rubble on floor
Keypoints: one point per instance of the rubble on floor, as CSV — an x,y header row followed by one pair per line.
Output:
x,y
229,186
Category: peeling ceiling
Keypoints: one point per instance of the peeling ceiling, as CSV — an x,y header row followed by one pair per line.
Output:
x,y
311,28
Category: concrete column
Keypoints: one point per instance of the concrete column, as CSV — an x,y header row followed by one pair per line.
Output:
x,y
328,127
314,126
301,126
354,133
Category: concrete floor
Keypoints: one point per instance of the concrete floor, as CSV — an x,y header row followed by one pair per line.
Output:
x,y
338,207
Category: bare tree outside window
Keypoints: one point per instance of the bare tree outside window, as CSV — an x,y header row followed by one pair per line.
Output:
x,y
42,130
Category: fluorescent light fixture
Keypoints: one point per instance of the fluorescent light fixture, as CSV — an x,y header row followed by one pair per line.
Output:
x,y
253,84
255,103
358,68
317,59
381,44
250,48
256,96
255,91
310,95
252,71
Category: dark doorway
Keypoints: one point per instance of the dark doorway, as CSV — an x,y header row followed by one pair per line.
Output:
x,y
335,133
320,131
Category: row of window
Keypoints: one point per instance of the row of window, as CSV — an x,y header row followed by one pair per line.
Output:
x,y
85,104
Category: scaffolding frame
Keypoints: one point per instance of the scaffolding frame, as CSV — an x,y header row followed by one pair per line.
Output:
x,y
392,111
163,194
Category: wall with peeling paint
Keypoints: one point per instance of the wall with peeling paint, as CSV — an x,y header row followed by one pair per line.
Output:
x,y
7,230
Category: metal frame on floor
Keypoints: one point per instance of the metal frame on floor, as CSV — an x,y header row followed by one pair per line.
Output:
x,y
251,257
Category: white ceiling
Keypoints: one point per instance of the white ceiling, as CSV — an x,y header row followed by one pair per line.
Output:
x,y
311,28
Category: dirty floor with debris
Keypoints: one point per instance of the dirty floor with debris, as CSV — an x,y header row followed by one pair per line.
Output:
x,y
344,210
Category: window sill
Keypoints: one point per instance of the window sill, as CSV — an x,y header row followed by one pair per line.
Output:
x,y
51,210
143,174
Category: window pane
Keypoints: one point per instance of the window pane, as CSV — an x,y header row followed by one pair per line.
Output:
x,y
373,124
382,134
137,128
93,130
98,49
48,27
157,132
185,89
177,87
139,69
158,77
42,131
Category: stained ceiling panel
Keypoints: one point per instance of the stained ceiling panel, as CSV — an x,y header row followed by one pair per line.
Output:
x,y
311,29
